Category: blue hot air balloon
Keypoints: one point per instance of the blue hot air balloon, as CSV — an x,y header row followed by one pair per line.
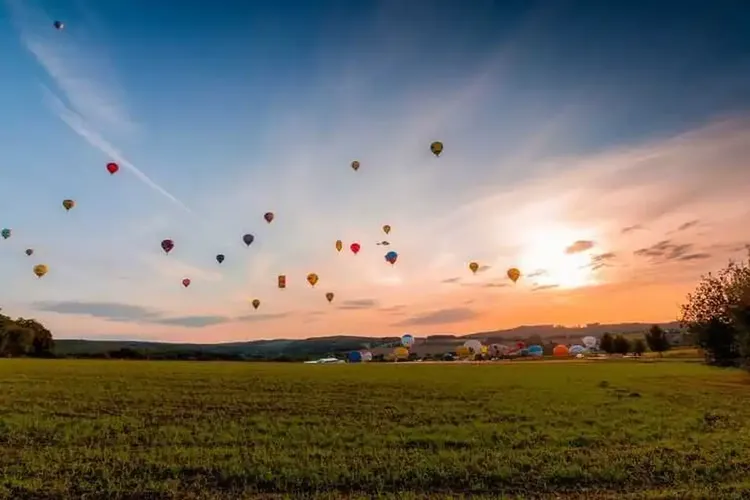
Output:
x,y
391,257
354,357
536,350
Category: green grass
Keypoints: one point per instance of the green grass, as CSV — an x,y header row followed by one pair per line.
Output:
x,y
119,429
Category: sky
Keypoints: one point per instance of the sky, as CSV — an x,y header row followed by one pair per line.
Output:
x,y
602,148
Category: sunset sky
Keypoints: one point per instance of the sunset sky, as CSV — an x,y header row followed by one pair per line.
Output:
x,y
601,148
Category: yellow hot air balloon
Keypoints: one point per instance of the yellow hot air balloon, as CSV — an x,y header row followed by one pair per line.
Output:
x,y
312,278
473,266
256,303
386,229
463,351
282,280
339,245
401,353
329,296
40,270
514,274
68,204
436,148
355,165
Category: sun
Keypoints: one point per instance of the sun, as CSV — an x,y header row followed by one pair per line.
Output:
x,y
543,252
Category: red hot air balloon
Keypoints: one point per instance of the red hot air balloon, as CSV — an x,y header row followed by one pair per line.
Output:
x,y
112,168
186,282
268,216
167,246
355,248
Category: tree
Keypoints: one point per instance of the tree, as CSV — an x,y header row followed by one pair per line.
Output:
x,y
717,314
620,345
606,343
638,347
656,339
24,337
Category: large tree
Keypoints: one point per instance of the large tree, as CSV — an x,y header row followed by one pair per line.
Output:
x,y
656,338
24,337
717,313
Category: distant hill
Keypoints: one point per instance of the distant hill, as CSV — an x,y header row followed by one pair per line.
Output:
x,y
326,346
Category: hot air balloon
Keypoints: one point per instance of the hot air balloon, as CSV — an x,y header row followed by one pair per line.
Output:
x,y
560,350
497,350
436,148
474,346
514,274
58,25
112,168
463,352
220,258
268,216
407,340
354,357
386,229
354,247
391,257
282,281
5,233
366,356
589,341
329,296
29,251
40,270
68,204
536,350
167,246
575,350
186,282
401,353
520,345
473,266
312,278
355,165
339,245
255,303
248,239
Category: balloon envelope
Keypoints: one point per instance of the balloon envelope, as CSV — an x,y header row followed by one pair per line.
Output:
x,y
40,270
589,341
354,357
255,303
576,349
401,353
436,148
391,257
312,278
68,204
58,25
514,274
366,355
536,350
29,251
354,247
167,245
5,233
407,340
355,165
473,266
112,168
386,229
248,239
220,258
282,281
268,216
339,245
463,351
560,350
474,346
329,296
186,282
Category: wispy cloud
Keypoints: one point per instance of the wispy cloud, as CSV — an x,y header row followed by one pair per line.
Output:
x,y
579,246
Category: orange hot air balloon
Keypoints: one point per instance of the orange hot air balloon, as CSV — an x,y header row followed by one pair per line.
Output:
x,y
560,350
312,278
514,274
355,165
386,229
473,266
256,303
68,204
329,296
282,281
339,245
268,216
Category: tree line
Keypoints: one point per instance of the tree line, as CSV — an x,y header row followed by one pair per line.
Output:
x,y
24,337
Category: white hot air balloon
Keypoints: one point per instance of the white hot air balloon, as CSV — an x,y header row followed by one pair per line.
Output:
x,y
474,346
589,341
407,340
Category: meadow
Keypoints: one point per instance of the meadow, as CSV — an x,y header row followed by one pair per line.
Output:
x,y
192,430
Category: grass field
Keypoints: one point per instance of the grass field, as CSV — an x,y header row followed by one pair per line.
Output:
x,y
119,429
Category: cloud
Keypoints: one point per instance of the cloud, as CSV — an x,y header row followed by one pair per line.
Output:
x,y
696,256
112,311
500,284
688,225
440,317
251,318
451,280
601,260
484,268
359,304
579,246
397,309
538,288
630,229
665,250
538,272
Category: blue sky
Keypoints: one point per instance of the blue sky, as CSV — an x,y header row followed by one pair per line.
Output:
x,y
225,112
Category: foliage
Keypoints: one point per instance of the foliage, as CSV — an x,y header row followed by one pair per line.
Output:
x,y
717,313
620,345
656,338
638,347
220,431
24,337
607,344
